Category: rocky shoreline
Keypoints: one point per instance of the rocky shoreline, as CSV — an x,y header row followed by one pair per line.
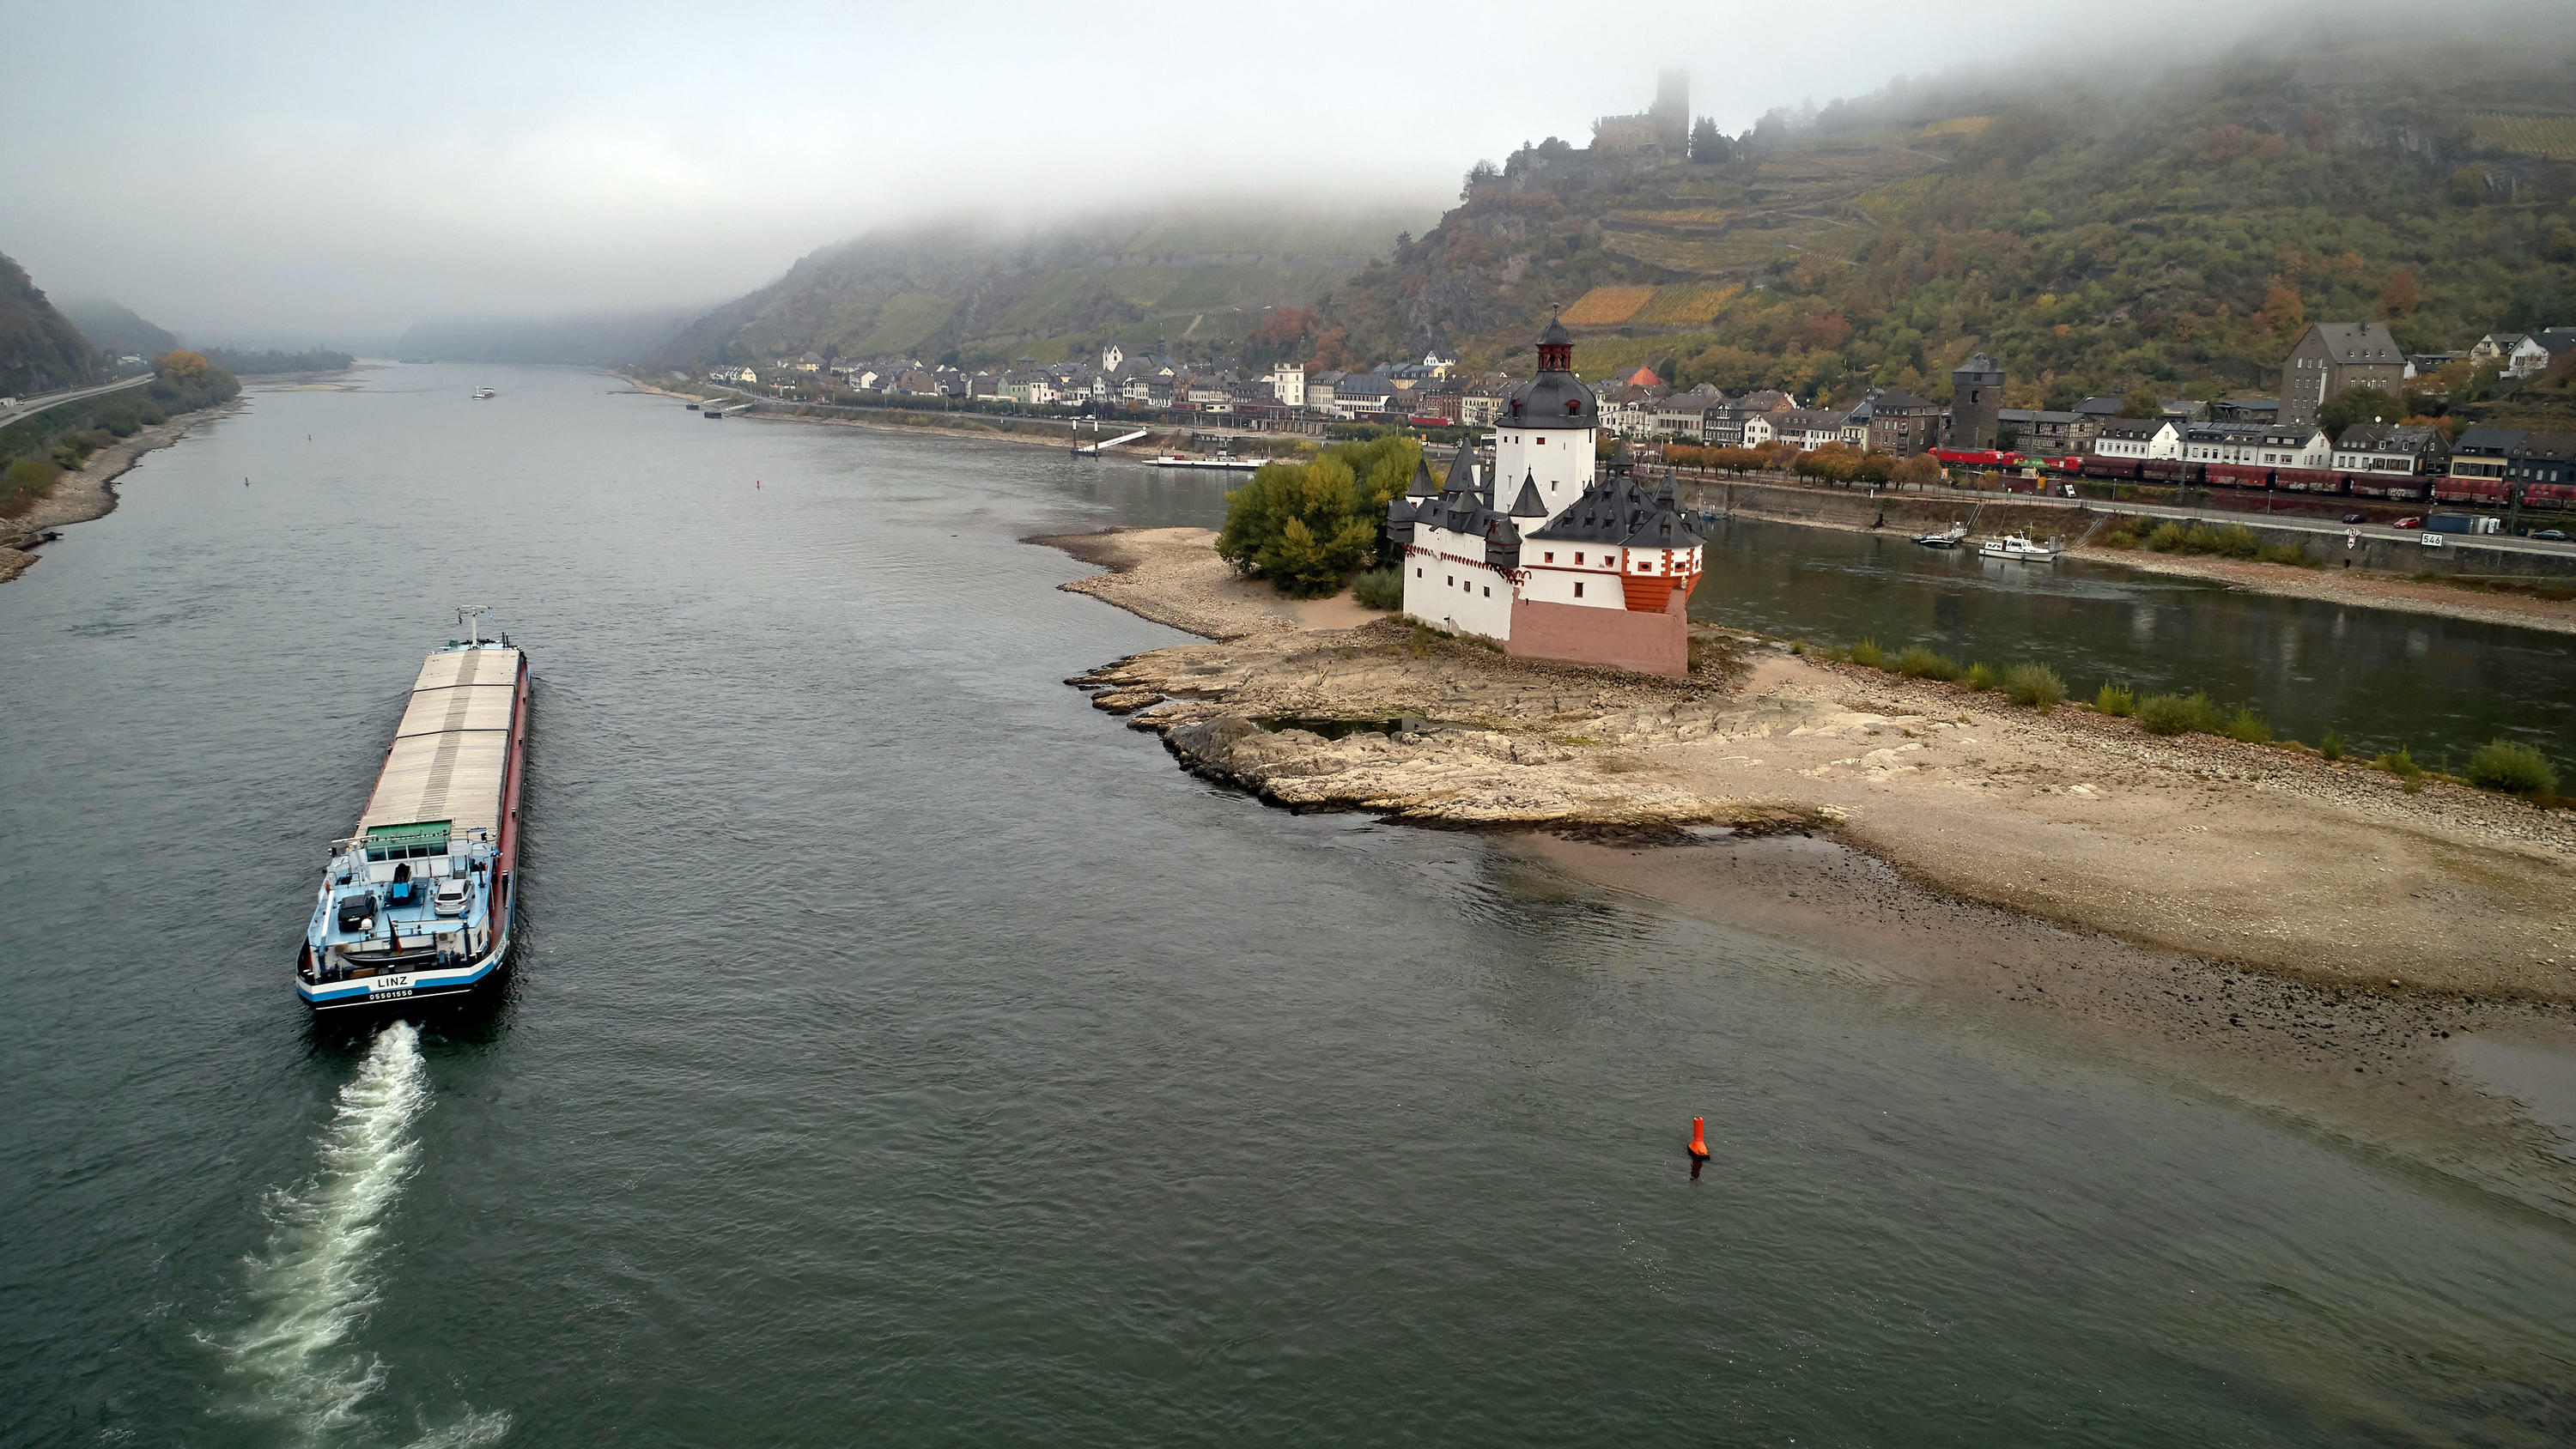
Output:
x,y
2261,857
89,492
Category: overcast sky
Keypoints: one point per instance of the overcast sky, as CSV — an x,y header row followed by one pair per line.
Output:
x,y
334,172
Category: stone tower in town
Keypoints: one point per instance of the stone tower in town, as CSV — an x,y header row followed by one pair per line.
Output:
x,y
1976,396
1671,111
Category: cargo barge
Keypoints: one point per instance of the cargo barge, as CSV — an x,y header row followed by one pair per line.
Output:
x,y
418,904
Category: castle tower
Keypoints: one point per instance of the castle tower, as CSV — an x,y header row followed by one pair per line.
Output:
x,y
1976,397
1671,111
1546,431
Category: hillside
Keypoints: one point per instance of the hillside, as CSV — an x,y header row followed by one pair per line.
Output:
x,y
112,327
39,349
981,294
2181,230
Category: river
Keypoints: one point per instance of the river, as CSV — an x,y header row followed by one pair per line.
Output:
x,y
900,1051
2436,687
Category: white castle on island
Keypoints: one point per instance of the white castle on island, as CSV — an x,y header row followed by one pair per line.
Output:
x,y
1552,564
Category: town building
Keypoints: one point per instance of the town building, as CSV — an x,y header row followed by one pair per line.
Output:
x,y
2481,457
1557,565
2254,445
2138,438
1901,423
2048,434
2392,448
2334,357
1288,384
2514,354
2541,458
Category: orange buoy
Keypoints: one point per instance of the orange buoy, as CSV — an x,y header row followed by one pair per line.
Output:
x,y
1699,1141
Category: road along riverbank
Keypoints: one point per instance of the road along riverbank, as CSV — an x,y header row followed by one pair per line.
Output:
x,y
89,491
2260,857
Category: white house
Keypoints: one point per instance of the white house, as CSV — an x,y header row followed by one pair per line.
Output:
x,y
2138,438
2256,445
1288,382
1572,569
2515,353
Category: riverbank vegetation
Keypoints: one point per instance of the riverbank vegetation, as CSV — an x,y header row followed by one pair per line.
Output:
x,y
2233,540
1307,527
2507,767
269,363
36,451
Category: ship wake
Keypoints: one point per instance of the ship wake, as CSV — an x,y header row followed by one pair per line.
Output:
x,y
314,1283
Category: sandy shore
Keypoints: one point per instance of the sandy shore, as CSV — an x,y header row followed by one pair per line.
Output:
x,y
2261,857
2351,586
1160,443
89,491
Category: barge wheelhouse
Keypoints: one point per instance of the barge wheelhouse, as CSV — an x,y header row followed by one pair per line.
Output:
x,y
419,902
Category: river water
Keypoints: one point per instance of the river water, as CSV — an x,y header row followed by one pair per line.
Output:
x,y
2437,687
899,1051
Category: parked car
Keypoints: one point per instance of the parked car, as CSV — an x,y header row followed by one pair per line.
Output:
x,y
2552,534
2410,522
2352,518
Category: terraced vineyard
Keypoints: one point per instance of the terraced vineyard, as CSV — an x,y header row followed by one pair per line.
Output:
x,y
2552,138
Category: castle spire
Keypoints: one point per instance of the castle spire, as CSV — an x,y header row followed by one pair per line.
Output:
x,y
1556,348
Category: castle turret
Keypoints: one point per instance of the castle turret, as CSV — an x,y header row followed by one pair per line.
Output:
x,y
1547,428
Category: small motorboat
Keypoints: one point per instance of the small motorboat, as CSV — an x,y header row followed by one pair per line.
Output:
x,y
2018,548
1947,539
484,394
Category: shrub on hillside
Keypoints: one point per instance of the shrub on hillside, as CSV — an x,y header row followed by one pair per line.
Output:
x,y
2115,699
1980,678
1921,662
2331,747
2035,685
2513,768
23,482
1867,652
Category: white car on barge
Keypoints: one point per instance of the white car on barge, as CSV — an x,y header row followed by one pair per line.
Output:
x,y
418,904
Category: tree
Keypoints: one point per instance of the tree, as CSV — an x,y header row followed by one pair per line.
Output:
x,y
1708,144
1920,471
2399,298
2282,311
1306,527
184,368
2142,402
2357,405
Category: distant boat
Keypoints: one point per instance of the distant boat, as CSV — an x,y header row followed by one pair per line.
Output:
x,y
482,393
2019,549
1949,539
1175,460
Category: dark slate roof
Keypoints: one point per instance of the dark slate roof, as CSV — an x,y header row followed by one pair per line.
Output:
x,y
2559,446
2102,407
2489,442
2390,438
1399,520
1552,400
1422,480
1616,510
1980,363
1528,504
1462,472
2362,342
1556,335
2134,429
